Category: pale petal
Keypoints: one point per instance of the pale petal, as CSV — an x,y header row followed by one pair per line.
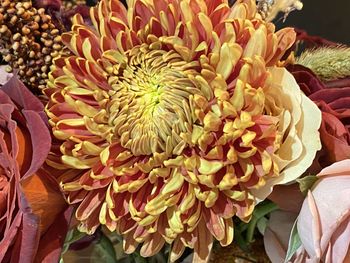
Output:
x,y
305,122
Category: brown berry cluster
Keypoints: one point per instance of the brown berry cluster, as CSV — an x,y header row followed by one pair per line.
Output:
x,y
28,41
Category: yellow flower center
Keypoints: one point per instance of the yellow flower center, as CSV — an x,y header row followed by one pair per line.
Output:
x,y
150,107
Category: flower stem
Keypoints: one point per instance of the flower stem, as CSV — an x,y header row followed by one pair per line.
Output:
x,y
259,212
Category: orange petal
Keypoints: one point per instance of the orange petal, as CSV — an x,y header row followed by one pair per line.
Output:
x,y
44,197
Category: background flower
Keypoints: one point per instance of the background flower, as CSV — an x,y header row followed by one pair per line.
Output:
x,y
333,99
178,119
328,63
30,200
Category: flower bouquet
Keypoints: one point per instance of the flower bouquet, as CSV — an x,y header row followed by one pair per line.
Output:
x,y
171,131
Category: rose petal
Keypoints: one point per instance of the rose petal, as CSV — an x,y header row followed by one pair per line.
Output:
x,y
41,140
287,197
51,242
44,197
276,236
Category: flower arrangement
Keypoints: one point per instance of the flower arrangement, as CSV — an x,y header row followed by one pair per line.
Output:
x,y
170,131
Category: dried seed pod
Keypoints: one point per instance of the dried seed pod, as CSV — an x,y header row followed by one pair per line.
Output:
x,y
8,69
20,61
15,46
20,11
3,29
8,58
269,9
16,36
70,4
31,54
57,47
25,30
264,7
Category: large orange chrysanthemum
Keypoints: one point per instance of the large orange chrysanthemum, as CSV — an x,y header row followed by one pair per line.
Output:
x,y
178,118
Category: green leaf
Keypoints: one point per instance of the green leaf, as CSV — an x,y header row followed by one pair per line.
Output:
x,y
294,242
262,224
105,249
241,226
306,183
72,236
158,258
239,239
125,260
138,259
113,236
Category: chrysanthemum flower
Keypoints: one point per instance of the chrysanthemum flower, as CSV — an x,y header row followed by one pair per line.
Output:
x,y
178,118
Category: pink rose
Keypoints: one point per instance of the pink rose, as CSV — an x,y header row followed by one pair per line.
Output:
x,y
323,221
